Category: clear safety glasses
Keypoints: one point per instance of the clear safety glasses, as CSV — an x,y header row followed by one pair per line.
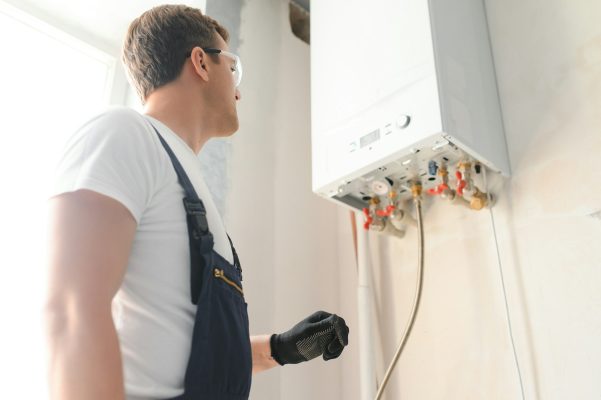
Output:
x,y
236,68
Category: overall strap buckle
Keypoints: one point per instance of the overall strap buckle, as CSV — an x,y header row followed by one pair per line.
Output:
x,y
197,217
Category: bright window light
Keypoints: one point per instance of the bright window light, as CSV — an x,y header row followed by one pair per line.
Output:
x,y
50,83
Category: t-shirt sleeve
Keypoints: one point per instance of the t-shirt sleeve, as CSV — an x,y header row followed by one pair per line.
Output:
x,y
113,154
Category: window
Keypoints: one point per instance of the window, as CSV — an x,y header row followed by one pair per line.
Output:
x,y
50,83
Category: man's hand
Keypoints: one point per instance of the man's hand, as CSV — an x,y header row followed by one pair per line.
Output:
x,y
319,334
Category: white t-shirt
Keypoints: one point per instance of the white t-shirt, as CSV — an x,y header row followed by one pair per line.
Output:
x,y
118,154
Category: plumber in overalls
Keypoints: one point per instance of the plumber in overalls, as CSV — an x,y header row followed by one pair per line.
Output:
x,y
145,296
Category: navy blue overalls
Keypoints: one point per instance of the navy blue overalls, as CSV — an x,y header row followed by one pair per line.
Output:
x,y
220,363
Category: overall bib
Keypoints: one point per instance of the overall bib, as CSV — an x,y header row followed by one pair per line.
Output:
x,y
220,363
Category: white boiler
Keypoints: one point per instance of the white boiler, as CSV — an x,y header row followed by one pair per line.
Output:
x,y
398,89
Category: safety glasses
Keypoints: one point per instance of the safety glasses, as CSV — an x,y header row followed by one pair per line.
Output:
x,y
236,68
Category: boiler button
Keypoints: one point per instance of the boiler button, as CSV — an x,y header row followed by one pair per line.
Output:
x,y
380,188
403,121
388,129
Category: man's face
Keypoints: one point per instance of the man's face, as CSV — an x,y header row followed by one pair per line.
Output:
x,y
224,93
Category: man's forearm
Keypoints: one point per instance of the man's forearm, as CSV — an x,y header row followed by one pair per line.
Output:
x,y
261,353
84,355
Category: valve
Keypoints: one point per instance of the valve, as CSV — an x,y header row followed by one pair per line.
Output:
x,y
464,179
461,183
392,194
368,218
443,189
385,212
432,167
372,220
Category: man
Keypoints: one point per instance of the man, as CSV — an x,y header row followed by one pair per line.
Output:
x,y
145,299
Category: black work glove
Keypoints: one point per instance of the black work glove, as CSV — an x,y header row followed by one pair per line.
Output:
x,y
319,334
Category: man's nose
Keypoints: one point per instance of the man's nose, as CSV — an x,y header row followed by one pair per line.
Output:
x,y
237,94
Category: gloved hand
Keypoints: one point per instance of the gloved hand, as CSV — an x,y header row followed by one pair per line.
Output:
x,y
319,334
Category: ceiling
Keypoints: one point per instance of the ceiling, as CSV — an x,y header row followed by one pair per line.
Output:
x,y
102,23
306,4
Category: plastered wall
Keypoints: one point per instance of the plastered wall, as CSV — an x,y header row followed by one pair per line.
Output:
x,y
548,62
297,249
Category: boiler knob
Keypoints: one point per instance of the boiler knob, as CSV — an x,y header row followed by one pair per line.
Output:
x,y
403,121
381,188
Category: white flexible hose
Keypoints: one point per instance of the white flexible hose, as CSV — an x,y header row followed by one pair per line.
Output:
x,y
416,300
364,301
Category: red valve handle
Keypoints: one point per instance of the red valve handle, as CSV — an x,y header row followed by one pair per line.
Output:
x,y
368,219
386,212
461,184
438,190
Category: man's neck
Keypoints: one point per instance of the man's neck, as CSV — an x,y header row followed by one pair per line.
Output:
x,y
176,113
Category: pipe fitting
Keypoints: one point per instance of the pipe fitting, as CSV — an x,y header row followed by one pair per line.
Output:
x,y
479,200
416,189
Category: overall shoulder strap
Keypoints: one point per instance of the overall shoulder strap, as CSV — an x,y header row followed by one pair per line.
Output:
x,y
201,239
236,259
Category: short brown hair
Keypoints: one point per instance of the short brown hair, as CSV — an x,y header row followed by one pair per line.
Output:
x,y
155,47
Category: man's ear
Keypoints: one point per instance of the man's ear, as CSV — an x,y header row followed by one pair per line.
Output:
x,y
199,61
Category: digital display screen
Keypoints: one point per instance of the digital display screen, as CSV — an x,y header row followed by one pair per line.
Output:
x,y
369,138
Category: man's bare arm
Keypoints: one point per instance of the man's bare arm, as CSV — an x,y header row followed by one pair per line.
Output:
x,y
90,237
261,353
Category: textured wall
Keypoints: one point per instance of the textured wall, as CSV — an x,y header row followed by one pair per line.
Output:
x,y
216,152
285,235
547,56
548,62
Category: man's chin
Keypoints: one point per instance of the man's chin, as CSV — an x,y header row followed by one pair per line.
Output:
x,y
235,125
230,129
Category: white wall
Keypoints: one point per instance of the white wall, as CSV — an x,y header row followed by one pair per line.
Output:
x,y
250,218
548,62
547,56
297,254
548,59
294,246
285,235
